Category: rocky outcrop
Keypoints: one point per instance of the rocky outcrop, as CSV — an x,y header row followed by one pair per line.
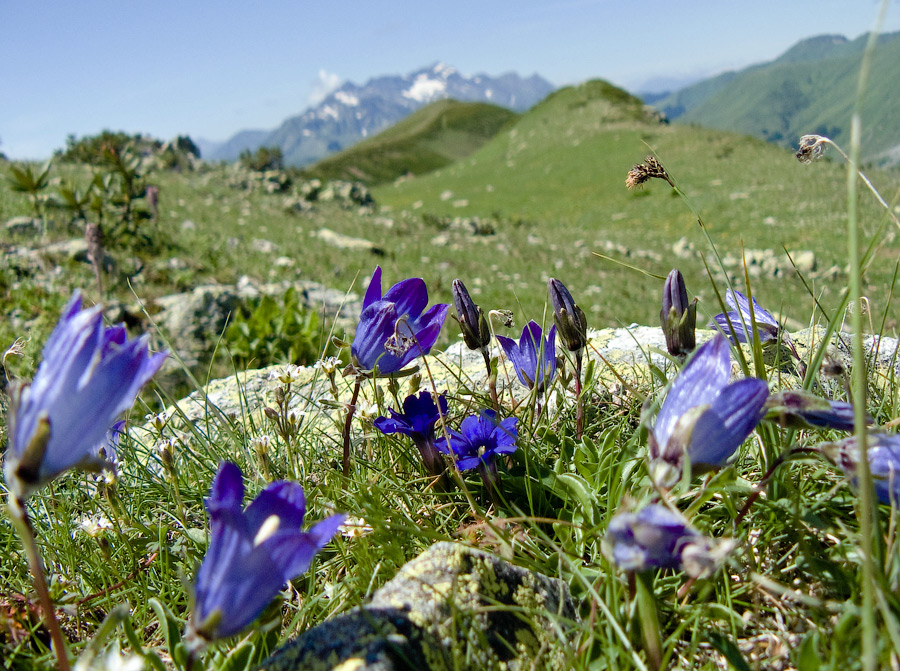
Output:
x,y
451,607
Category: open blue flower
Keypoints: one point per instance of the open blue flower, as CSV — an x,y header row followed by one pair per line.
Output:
x,y
89,375
704,417
533,357
252,553
480,439
739,316
418,419
395,328
654,537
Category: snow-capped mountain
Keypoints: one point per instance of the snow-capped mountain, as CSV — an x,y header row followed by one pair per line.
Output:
x,y
353,112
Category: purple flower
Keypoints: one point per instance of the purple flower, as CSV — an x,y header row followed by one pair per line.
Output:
x,y
533,357
252,553
796,408
703,415
419,416
678,316
568,318
883,451
90,374
739,315
654,537
472,322
480,440
393,329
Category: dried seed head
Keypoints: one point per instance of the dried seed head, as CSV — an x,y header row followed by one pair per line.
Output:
x,y
644,172
811,148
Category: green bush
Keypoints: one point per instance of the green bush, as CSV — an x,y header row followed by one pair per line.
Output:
x,y
274,331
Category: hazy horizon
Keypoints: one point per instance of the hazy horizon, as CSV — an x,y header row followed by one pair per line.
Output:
x,y
168,68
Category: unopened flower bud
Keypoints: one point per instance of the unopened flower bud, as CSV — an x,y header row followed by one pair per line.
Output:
x,y
678,316
472,321
571,324
271,413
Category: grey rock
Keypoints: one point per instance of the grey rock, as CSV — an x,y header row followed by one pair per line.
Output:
x,y
451,607
342,241
24,226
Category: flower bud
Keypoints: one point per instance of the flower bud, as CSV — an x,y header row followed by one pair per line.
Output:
x,y
678,316
571,324
472,321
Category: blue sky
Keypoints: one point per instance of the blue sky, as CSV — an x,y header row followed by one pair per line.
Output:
x,y
209,69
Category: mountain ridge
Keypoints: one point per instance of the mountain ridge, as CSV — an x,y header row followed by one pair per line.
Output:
x,y
810,88
354,112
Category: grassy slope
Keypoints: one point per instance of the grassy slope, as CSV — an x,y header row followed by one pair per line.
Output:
x,y
791,96
428,139
556,180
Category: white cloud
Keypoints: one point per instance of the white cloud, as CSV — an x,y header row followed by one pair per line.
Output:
x,y
321,87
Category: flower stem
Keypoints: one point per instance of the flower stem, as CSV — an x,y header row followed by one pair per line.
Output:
x,y
646,604
579,402
351,410
26,532
492,379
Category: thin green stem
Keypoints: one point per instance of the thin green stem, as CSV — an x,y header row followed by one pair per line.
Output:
x,y
23,526
866,506
345,436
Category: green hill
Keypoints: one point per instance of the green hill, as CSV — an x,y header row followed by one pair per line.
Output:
x,y
553,188
430,138
811,88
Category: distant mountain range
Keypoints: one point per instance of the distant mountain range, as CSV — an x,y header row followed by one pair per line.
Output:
x,y
353,112
811,88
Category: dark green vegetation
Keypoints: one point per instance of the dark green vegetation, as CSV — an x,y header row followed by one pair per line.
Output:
x,y
426,140
810,88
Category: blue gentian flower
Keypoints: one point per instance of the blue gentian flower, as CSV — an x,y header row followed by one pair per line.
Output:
x,y
659,538
703,416
418,419
90,374
252,553
395,328
654,537
533,357
739,315
797,408
480,439
883,451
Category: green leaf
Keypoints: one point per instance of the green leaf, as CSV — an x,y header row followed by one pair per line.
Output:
x,y
725,645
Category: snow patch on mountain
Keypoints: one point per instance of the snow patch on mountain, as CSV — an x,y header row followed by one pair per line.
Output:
x,y
346,98
424,88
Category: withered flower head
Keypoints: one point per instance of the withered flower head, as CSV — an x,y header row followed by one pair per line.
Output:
x,y
571,324
644,172
472,321
811,148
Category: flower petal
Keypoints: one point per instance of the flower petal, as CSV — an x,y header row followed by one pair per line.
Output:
x,y
698,383
721,430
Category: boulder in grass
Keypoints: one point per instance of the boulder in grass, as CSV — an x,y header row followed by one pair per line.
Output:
x,y
451,607
24,226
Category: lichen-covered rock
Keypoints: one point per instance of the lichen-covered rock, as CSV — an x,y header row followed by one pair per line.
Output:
x,y
453,607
